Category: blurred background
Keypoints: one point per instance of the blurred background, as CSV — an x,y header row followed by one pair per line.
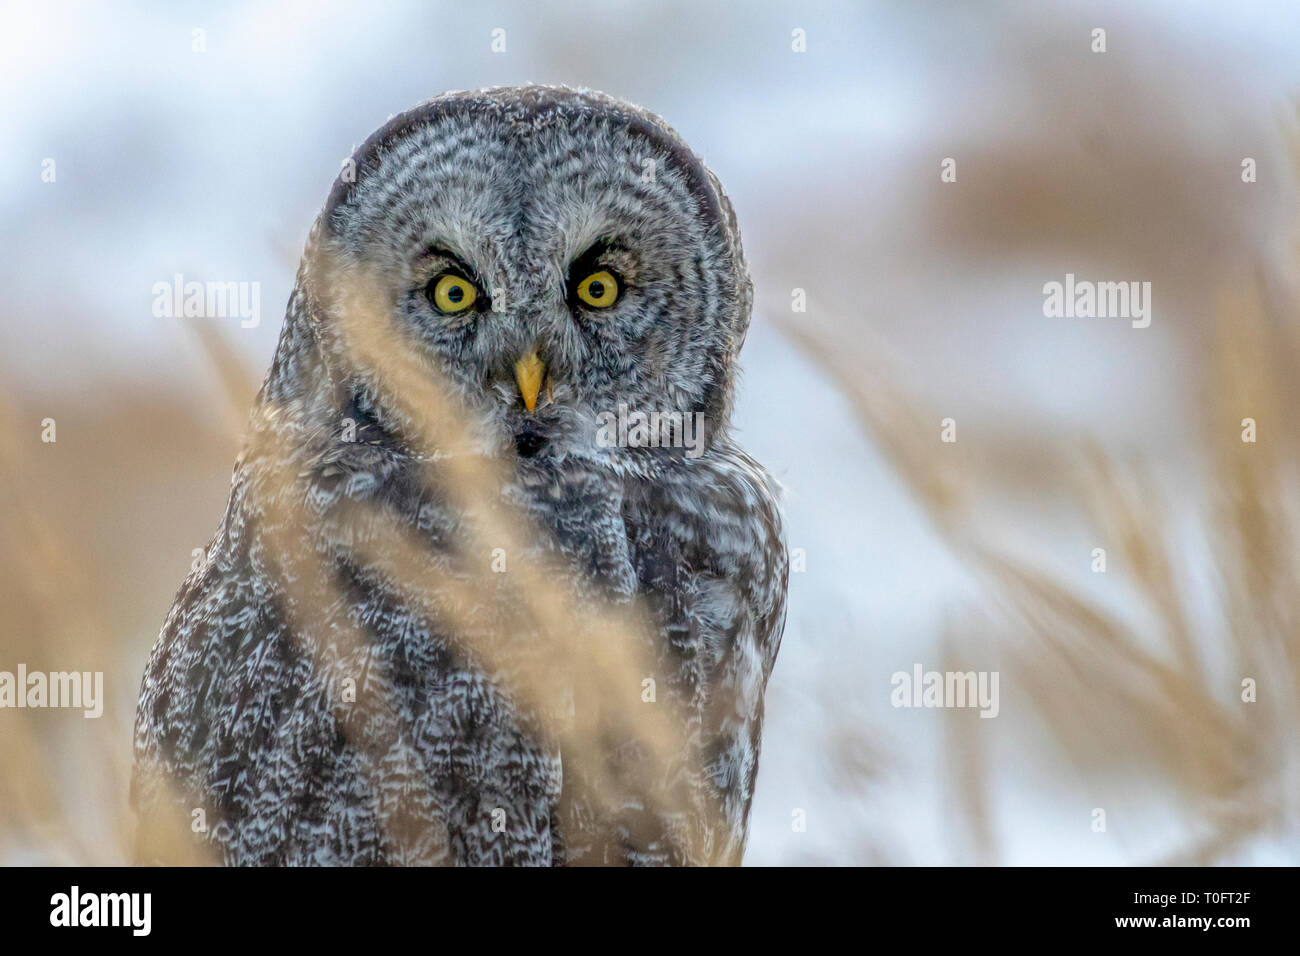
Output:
x,y
209,153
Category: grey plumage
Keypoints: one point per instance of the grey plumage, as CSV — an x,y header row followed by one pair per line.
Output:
x,y
350,557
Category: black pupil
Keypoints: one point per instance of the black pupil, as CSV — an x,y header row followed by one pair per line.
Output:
x,y
597,289
455,293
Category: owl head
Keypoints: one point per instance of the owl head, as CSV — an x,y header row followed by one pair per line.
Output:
x,y
556,257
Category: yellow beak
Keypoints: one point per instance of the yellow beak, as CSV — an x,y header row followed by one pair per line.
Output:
x,y
529,372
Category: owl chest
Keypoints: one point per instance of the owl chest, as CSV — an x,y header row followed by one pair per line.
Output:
x,y
690,605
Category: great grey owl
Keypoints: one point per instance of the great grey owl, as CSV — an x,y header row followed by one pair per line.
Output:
x,y
495,585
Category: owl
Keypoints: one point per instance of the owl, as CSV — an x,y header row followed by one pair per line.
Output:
x,y
495,584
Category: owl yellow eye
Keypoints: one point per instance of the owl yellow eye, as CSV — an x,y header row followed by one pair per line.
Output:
x,y
599,290
452,294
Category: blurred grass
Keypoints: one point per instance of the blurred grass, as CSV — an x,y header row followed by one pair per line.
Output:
x,y
1153,694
